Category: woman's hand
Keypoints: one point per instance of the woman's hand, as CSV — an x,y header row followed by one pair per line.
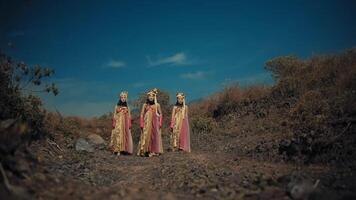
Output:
x,y
113,123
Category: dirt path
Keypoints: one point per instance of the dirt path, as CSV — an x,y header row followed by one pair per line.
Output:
x,y
173,175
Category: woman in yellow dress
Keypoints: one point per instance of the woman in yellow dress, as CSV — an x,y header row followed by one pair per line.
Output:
x,y
150,122
121,139
180,136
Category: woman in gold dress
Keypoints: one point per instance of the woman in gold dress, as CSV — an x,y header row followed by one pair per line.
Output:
x,y
121,139
180,136
150,122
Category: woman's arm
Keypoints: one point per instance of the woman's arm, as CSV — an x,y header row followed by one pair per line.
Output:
x,y
141,115
173,119
129,115
114,118
160,115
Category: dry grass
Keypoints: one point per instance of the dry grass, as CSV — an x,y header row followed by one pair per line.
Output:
x,y
314,99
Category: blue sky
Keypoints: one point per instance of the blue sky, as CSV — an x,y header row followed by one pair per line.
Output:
x,y
99,48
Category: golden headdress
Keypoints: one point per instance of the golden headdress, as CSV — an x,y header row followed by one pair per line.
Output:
x,y
180,94
153,91
124,94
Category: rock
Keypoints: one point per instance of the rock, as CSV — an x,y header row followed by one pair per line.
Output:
x,y
12,191
96,139
4,124
82,145
22,166
245,184
298,185
302,189
40,177
289,147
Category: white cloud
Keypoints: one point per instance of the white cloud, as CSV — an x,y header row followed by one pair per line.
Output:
x,y
139,84
116,64
194,75
176,59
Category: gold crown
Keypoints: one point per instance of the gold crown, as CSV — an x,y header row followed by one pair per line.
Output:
x,y
153,91
124,94
180,94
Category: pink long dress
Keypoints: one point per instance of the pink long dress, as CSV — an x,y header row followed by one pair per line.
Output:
x,y
121,139
151,139
180,138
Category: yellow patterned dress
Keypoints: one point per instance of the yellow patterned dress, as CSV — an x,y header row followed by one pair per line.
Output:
x,y
151,123
121,139
180,138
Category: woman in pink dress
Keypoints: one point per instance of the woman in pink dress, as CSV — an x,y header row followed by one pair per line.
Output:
x,y
121,139
180,137
150,122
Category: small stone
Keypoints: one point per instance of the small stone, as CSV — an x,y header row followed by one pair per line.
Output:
x,y
83,145
40,177
96,139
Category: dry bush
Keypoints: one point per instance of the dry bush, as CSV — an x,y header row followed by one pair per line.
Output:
x,y
255,92
315,99
202,124
18,83
311,109
204,107
22,116
321,92
233,99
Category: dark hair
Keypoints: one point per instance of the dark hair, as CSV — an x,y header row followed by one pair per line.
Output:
x,y
120,103
150,102
179,104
